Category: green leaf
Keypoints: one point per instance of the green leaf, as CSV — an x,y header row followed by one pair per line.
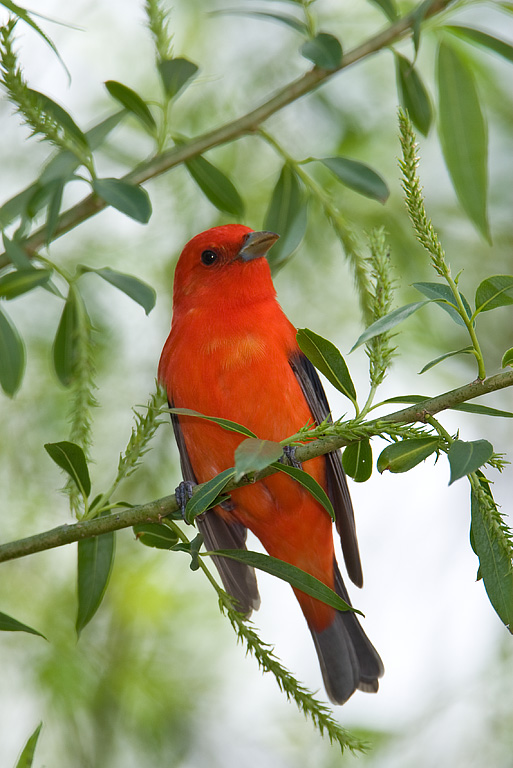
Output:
x,y
253,455
62,118
16,254
175,73
389,321
328,360
308,482
483,410
357,461
463,137
12,356
27,756
136,289
65,351
465,458
54,209
287,216
432,363
216,186
496,291
358,177
484,39
413,94
155,535
507,359
22,13
444,297
71,458
283,18
324,50
21,281
388,8
133,103
231,426
290,573
8,624
207,495
95,561
406,454
490,543
130,199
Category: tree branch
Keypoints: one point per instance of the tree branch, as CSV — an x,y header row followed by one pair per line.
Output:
x,y
230,131
154,511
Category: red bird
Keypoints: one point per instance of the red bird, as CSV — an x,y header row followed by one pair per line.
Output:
x,y
232,353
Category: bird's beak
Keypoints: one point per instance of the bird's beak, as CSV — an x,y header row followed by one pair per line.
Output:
x,y
256,245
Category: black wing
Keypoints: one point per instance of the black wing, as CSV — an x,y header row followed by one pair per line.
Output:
x,y
239,580
338,491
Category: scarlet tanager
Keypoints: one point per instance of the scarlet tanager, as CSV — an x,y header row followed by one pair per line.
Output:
x,y
232,353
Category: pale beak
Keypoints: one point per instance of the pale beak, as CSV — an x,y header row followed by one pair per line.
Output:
x,y
256,245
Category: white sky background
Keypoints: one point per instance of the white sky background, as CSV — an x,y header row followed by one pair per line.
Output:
x,y
429,619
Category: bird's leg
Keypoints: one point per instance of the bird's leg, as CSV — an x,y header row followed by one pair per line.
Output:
x,y
182,495
289,453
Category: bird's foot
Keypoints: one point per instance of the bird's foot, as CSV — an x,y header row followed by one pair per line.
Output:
x,y
182,495
289,453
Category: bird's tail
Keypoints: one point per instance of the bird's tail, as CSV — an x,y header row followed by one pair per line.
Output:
x,y
347,658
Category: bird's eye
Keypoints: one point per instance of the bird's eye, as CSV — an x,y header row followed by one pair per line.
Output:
x,y
208,258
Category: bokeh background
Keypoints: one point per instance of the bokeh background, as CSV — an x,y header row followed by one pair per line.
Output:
x,y
158,678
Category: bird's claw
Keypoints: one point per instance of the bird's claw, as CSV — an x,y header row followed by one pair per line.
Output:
x,y
289,453
182,495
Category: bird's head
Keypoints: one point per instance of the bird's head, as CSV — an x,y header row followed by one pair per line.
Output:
x,y
224,265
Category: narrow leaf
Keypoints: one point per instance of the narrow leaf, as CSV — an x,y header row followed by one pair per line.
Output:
x,y
357,461
130,199
484,410
231,426
54,209
324,50
253,455
175,73
328,360
62,117
133,103
71,458
26,758
492,548
413,94
95,561
466,457
16,254
8,624
496,291
358,177
287,216
282,18
432,363
463,137
308,482
21,281
492,43
389,321
296,577
136,289
12,356
65,351
507,359
155,535
406,454
216,186
207,495
442,293
388,8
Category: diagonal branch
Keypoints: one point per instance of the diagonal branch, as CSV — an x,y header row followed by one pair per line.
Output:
x,y
230,131
154,511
